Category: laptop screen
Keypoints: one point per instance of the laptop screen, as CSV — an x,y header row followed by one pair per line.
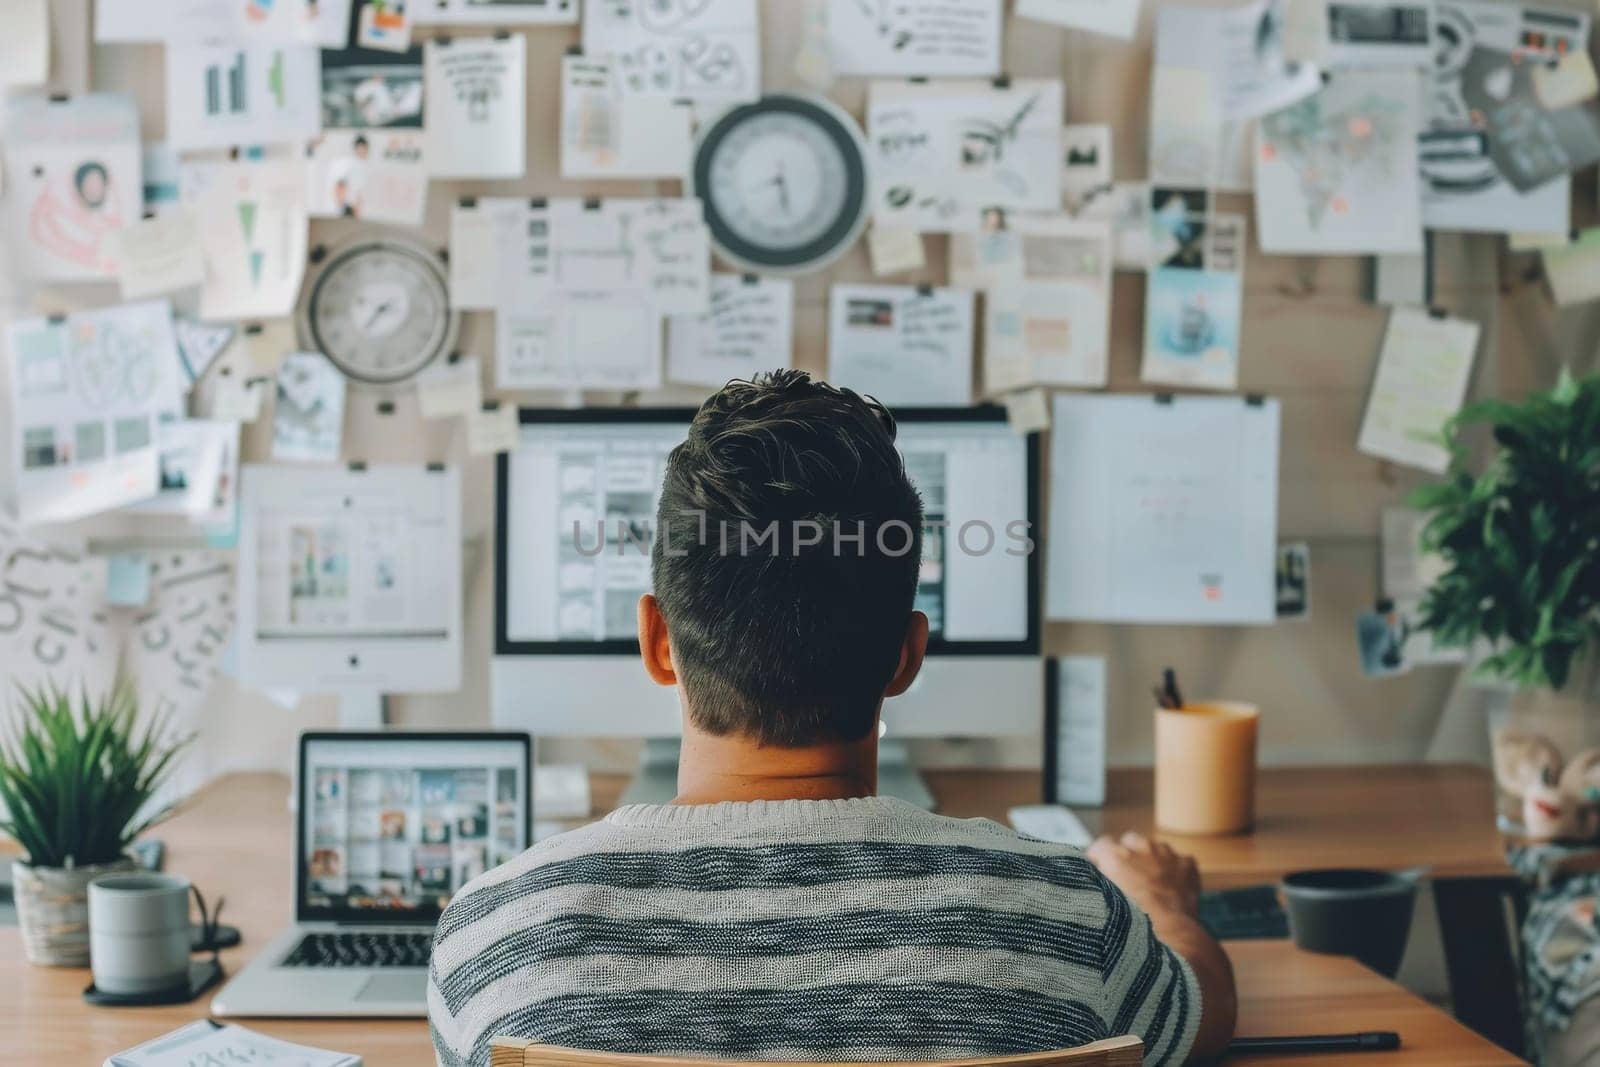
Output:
x,y
392,825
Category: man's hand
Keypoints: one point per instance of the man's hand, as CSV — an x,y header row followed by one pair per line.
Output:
x,y
1155,876
1166,884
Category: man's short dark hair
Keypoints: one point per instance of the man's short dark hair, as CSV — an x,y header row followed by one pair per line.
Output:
x,y
779,635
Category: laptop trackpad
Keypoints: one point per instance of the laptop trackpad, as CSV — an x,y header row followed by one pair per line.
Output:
x,y
408,986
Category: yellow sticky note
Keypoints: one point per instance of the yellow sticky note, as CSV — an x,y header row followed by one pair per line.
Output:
x,y
1570,80
1028,411
895,250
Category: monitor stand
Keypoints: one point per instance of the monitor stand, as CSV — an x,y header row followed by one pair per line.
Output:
x,y
656,781
363,710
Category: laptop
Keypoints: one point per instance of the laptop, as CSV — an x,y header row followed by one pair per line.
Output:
x,y
389,826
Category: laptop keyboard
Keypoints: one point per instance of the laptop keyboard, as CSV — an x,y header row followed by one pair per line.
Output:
x,y
362,948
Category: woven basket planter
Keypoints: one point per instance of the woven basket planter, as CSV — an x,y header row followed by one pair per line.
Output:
x,y
53,910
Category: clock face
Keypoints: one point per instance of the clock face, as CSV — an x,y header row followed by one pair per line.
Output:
x,y
783,182
380,310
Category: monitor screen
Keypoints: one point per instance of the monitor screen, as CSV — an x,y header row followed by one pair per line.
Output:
x,y
393,825
578,507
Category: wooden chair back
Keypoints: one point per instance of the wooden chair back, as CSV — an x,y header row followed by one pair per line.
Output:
x,y
519,1052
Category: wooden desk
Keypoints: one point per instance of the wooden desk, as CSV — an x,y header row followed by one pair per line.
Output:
x,y
236,838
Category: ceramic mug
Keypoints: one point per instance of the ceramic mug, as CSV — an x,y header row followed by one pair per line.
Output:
x,y
138,932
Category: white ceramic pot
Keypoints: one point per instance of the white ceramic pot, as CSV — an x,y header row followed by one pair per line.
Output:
x,y
53,910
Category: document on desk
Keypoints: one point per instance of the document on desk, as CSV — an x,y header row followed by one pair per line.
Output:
x,y
958,156
748,328
476,89
1423,371
915,38
707,51
902,344
87,393
1163,510
1048,321
72,182
609,133
1337,171
206,1042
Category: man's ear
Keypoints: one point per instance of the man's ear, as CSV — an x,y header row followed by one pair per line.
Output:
x,y
656,650
912,651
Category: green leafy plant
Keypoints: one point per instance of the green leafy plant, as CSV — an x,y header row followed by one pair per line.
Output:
x,y
1522,539
76,783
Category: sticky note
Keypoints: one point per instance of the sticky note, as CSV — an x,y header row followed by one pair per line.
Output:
x,y
128,580
492,429
895,249
1028,410
1569,80
447,388
238,399
159,255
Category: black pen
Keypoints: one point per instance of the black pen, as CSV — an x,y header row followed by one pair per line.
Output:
x,y
1369,1041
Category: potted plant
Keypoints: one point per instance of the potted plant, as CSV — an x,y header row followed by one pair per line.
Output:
x,y
1520,542
75,790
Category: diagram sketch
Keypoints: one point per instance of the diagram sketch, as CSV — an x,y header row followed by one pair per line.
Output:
x,y
693,49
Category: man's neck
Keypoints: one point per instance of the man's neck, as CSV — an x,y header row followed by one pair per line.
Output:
x,y
712,770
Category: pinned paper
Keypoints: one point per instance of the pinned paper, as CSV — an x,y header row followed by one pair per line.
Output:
x,y
1028,410
25,42
450,388
199,345
267,343
385,26
813,63
1566,81
308,418
492,429
895,249
1423,372
1292,580
128,580
239,399
159,255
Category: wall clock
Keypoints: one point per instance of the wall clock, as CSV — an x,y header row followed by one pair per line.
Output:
x,y
784,183
379,308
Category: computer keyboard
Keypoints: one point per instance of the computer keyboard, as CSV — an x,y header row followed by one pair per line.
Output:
x,y
362,948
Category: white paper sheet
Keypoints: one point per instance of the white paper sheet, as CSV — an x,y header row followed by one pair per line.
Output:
x,y
450,387
25,43
701,50
202,1043
1467,182
175,646
477,98
1337,172
199,345
159,255
495,13
478,227
598,339
607,133
749,328
1126,208
1080,736
53,626
1186,127
220,96
902,344
895,250
915,38
1389,33
657,248
492,429
1242,49
324,23
954,156
1113,18
72,179
1423,371
87,393
253,226
308,419
375,175
1052,325
1162,512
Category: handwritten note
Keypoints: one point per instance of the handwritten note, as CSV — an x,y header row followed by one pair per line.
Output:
x,y
159,255
915,38
477,97
747,329
902,344
1423,371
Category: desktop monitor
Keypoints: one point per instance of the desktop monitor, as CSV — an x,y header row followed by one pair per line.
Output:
x,y
566,655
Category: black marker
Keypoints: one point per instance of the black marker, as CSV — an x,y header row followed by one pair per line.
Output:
x,y
1369,1041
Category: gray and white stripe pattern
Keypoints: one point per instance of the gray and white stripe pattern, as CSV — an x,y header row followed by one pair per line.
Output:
x,y
802,930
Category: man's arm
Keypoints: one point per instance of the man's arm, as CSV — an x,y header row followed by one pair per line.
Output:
x,y
1167,886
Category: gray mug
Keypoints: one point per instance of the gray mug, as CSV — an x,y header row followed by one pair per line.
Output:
x,y
139,932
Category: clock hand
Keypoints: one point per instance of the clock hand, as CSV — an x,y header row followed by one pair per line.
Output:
x,y
382,310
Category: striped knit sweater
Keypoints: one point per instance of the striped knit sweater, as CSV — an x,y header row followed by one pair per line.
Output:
x,y
802,930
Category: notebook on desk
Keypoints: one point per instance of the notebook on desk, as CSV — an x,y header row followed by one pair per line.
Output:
x,y
389,827
208,1042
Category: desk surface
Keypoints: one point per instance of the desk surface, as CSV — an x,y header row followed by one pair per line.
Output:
x,y
236,837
